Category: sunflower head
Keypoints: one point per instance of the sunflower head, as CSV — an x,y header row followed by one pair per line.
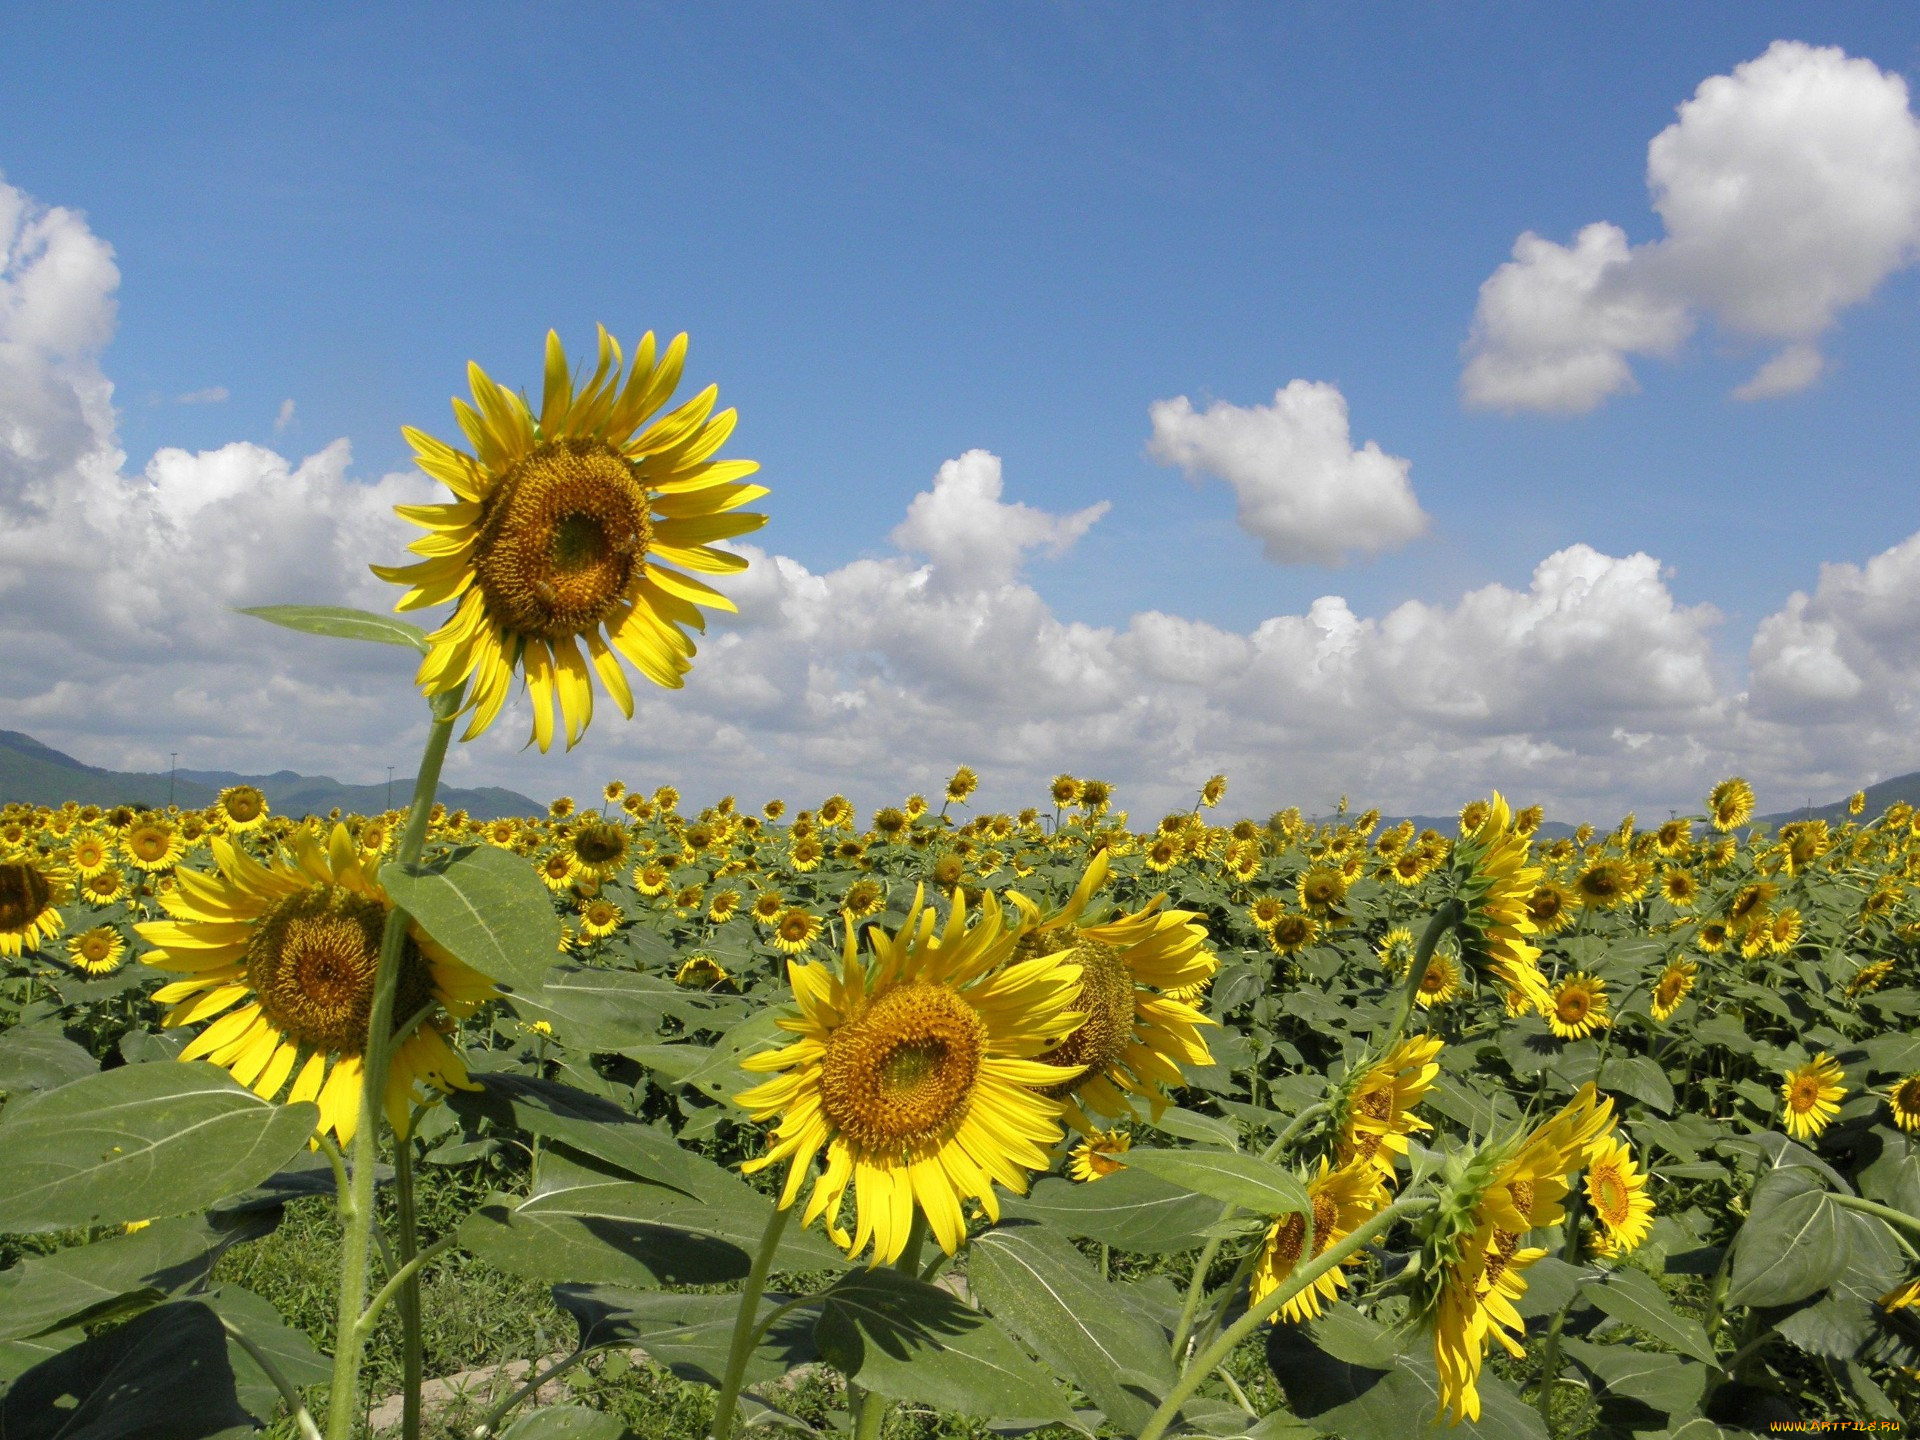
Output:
x,y
565,530
32,889
1616,1191
1673,986
1579,1007
1730,804
1904,1100
1098,1155
242,807
1341,1199
1811,1096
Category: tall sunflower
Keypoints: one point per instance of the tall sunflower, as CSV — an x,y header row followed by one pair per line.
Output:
x,y
1136,1035
298,940
917,1076
1496,887
566,523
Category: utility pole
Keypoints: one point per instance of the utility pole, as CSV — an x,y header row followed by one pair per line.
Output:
x,y
173,764
389,787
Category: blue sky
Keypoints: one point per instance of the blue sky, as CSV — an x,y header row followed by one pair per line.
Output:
x,y
897,234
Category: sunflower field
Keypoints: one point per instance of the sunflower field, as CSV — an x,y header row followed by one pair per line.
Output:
x,y
929,1121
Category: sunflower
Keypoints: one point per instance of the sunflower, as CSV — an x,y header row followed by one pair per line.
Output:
x,y
1812,1094
1868,978
1904,1099
242,807
1214,791
1265,912
1322,889
722,907
795,930
1093,1158
1136,1035
600,917
1496,885
700,972
1377,1112
98,951
1551,907
298,940
1712,936
1679,888
88,853
963,784
565,523
917,1077
651,879
1396,950
864,899
1441,983
1608,881
1341,1199
32,890
807,855
1292,932
1617,1191
1730,804
105,888
769,906
600,847
1673,986
1065,790
151,844
1674,838
1579,1006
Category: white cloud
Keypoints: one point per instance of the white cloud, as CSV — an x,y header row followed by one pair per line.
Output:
x,y
1590,688
285,417
212,395
1788,191
1302,489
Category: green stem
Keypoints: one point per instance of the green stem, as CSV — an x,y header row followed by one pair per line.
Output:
x,y
1550,1354
302,1417
1444,919
1215,1354
1880,1212
397,1282
357,1217
743,1323
871,1410
535,1379
406,1247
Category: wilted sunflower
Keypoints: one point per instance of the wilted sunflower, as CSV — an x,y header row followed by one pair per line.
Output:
x,y
1342,1199
1730,804
1812,1093
1579,1007
565,524
32,890
1094,1157
1617,1191
918,1077
1136,1035
298,940
1904,1100
98,951
1673,986
242,807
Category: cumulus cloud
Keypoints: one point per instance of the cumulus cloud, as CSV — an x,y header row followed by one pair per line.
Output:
x,y
1301,488
1588,688
1788,191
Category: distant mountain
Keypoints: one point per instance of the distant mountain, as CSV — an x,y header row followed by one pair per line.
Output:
x,y
40,775
1879,797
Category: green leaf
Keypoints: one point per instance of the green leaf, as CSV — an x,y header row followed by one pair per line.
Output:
x,y
565,1422
583,1222
90,1284
619,1010
342,623
1847,1316
915,1342
1129,1210
1234,1179
288,1348
1631,1297
163,1375
1050,1297
138,1143
1201,1129
487,907
1639,1077
39,1057
1794,1243
689,1334
1666,1383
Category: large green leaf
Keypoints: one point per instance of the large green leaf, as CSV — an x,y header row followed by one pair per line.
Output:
x,y
1050,1296
1668,1384
487,907
343,624
1232,1178
1795,1242
1349,1377
1633,1298
1129,1210
39,1057
163,1375
90,1284
1639,1077
292,1353
618,1010
583,1222
915,1342
588,1123
565,1422
138,1143
689,1334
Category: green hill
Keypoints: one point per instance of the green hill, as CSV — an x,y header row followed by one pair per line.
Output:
x,y
1879,797
37,774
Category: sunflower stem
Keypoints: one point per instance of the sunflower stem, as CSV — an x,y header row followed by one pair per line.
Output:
x,y
1450,914
744,1333
1550,1353
1216,1354
406,1249
358,1219
1887,1213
